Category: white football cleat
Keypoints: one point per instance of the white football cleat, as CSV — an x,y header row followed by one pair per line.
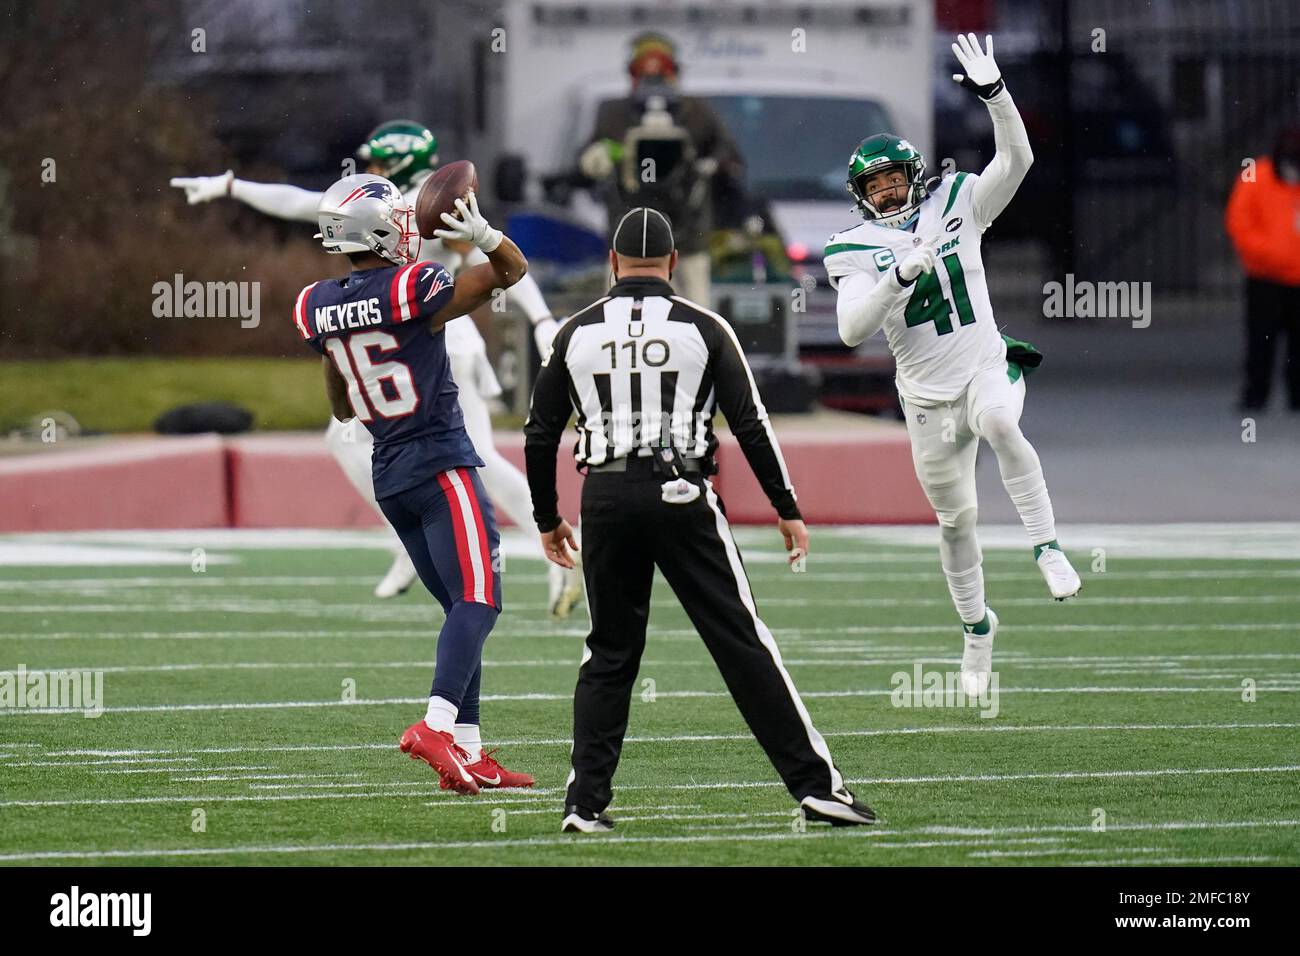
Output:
x,y
1062,580
565,587
399,577
977,658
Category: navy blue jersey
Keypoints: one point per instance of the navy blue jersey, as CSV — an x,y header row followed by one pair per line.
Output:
x,y
374,326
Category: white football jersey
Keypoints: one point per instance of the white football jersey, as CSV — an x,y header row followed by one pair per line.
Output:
x,y
942,332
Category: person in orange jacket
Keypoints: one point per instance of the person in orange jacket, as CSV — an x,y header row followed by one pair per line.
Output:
x,y
1263,221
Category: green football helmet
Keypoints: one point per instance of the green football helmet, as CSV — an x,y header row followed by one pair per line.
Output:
x,y
881,153
403,151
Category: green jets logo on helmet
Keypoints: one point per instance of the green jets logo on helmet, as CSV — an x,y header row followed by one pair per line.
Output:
x,y
886,153
401,150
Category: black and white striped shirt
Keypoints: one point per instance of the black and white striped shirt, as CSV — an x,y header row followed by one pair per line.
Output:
x,y
643,367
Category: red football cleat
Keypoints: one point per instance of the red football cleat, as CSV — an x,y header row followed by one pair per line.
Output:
x,y
490,774
438,749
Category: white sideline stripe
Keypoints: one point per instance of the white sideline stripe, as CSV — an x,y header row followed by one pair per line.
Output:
x,y
318,608
187,769
1071,851
728,785
690,738
96,763
788,635
1085,828
675,694
224,778
1131,664
610,839
1172,861
868,578
830,577
604,840
1215,541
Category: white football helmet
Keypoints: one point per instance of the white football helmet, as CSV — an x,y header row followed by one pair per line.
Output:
x,y
365,213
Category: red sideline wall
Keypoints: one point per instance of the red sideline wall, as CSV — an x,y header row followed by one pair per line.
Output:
x,y
138,483
847,476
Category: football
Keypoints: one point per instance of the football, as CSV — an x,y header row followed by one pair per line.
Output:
x,y
440,192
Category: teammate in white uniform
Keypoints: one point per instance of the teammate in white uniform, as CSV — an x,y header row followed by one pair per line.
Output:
x,y
914,269
405,153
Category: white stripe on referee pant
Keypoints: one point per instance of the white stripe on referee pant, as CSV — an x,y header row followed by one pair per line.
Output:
x,y
586,656
472,536
765,637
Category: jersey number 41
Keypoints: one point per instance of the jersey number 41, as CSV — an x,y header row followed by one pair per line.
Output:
x,y
929,304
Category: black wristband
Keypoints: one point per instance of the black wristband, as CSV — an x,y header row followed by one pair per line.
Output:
x,y
985,91
547,525
905,283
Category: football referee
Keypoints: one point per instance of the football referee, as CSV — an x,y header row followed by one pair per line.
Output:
x,y
645,369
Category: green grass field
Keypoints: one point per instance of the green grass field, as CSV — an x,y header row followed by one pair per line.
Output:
x,y
128,394
224,702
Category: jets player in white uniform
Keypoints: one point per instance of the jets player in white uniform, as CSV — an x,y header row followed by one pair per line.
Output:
x,y
405,153
914,269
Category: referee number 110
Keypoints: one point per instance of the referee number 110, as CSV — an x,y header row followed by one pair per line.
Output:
x,y
653,352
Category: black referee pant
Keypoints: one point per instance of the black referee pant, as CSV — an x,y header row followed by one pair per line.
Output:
x,y
628,530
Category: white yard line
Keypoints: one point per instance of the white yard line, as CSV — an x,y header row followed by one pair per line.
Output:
x,y
184,580
173,769
603,840
1173,861
228,778
785,635
377,792
420,612
1134,664
696,738
574,841
568,697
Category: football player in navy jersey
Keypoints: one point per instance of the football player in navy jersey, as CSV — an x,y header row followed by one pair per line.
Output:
x,y
380,332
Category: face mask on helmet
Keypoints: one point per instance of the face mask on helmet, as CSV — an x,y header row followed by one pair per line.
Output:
x,y
407,247
886,179
887,195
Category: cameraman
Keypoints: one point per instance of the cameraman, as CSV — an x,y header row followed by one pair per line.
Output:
x,y
690,129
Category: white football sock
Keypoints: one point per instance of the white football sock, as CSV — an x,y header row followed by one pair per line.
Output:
x,y
967,590
441,715
1029,495
468,739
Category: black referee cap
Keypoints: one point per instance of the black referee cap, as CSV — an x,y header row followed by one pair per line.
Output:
x,y
643,234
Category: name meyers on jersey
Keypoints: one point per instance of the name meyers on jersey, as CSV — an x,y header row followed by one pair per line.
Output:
x,y
358,314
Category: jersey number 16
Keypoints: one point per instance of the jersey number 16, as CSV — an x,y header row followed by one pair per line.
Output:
x,y
366,377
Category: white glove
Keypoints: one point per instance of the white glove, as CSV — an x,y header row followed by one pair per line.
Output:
x,y
204,188
595,162
544,335
917,261
982,75
470,227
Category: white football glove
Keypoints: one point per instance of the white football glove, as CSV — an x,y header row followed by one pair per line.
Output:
x,y
204,188
595,162
982,75
917,261
544,335
470,227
